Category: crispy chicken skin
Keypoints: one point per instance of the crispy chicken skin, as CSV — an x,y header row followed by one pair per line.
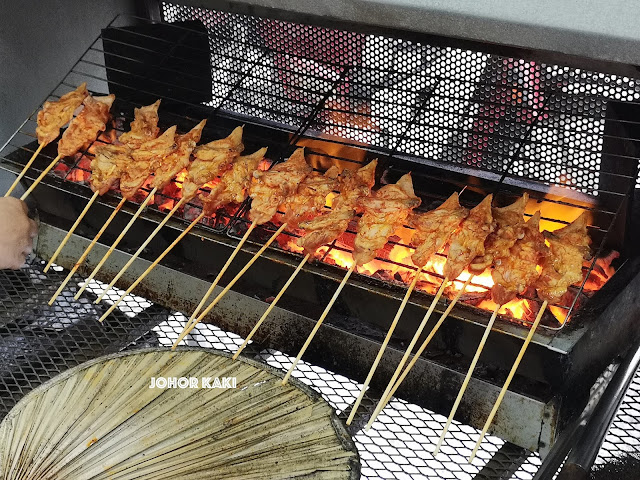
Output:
x,y
516,269
383,213
146,159
234,183
84,128
210,160
178,159
108,164
433,229
324,229
509,227
271,188
311,196
55,115
144,126
568,247
468,241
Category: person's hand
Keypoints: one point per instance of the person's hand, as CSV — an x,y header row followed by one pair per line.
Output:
x,y
17,232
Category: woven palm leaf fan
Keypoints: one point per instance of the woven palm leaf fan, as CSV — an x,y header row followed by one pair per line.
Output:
x,y
103,420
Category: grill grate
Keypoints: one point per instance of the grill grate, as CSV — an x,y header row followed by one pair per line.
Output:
x,y
37,342
350,97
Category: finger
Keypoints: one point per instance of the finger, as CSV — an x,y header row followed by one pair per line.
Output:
x,y
17,262
33,229
25,208
27,250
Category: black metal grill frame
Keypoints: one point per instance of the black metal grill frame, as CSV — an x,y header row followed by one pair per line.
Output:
x,y
331,85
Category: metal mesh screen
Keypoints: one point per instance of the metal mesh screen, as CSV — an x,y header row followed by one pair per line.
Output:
x,y
37,342
475,109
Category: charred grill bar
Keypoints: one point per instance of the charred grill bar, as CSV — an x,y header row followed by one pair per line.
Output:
x,y
457,119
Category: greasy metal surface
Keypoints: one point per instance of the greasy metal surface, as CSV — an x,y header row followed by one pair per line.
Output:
x,y
428,384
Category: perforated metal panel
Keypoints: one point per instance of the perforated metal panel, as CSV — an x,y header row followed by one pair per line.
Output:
x,y
470,108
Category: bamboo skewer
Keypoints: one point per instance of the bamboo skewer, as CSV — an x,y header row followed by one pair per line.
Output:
x,y
472,367
505,387
71,230
271,306
152,266
426,342
141,248
189,327
394,323
42,175
221,272
87,250
319,323
24,170
381,403
115,243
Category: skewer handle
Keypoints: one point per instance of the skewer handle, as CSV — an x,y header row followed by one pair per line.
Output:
x,y
271,306
224,269
383,347
152,266
188,328
42,175
141,248
87,250
115,243
381,403
319,323
70,232
505,387
24,170
426,342
463,388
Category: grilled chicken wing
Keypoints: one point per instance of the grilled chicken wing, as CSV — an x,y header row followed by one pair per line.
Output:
x,y
434,229
383,213
516,269
144,126
211,160
311,196
146,159
55,115
324,229
234,183
108,164
568,247
274,186
468,242
509,227
84,128
178,159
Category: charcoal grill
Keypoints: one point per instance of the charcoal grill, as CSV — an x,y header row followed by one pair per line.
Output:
x,y
458,119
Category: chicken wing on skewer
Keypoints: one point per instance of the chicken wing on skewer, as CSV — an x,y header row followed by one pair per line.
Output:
x,y
311,196
234,183
384,212
146,159
468,242
178,159
144,126
108,164
509,227
324,229
433,229
568,247
274,186
55,115
210,161
517,268
84,128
